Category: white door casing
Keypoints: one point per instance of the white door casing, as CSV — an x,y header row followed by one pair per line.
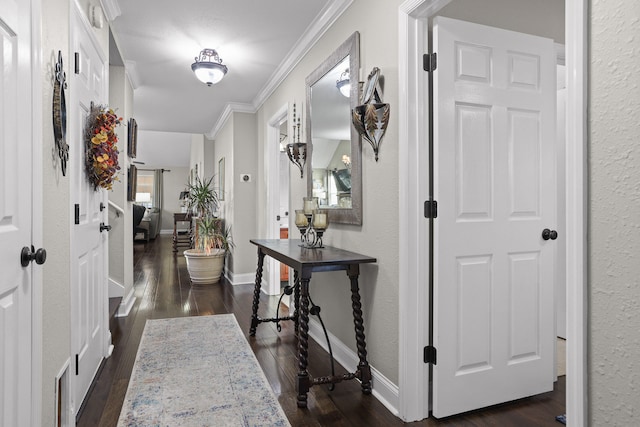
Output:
x,y
272,172
89,275
16,282
494,176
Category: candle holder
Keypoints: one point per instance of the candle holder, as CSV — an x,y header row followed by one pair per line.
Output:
x,y
312,223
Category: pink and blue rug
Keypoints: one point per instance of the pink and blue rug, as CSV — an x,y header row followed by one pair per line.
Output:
x,y
198,371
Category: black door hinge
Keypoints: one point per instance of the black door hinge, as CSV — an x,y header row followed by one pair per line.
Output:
x,y
76,57
430,61
77,364
431,209
430,355
76,214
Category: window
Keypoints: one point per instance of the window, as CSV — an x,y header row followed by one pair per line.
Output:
x,y
144,189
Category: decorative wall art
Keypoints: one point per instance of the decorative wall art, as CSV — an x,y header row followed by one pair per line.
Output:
x,y
101,149
132,183
60,114
132,135
221,179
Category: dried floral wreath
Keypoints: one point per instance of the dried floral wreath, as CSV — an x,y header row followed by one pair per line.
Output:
x,y
102,151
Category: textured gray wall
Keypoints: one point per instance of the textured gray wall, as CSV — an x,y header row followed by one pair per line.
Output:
x,y
614,223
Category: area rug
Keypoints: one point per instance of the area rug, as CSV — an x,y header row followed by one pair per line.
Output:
x,y
198,371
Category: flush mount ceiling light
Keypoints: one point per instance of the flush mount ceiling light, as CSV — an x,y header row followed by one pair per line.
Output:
x,y
208,67
344,84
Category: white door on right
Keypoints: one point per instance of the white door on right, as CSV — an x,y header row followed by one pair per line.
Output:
x,y
495,183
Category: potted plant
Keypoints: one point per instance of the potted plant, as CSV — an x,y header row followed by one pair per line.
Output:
x,y
202,198
205,261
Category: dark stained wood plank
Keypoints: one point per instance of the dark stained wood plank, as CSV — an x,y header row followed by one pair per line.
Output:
x,y
162,289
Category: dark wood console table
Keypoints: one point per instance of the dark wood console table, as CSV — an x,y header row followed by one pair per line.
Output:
x,y
305,262
179,240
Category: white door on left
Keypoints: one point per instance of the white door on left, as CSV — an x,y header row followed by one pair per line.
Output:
x,y
89,274
15,213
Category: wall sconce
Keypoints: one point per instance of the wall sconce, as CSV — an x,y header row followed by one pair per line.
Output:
x,y
371,118
312,223
344,84
296,150
208,67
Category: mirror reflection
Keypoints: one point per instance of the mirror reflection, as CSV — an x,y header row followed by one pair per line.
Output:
x,y
331,139
333,152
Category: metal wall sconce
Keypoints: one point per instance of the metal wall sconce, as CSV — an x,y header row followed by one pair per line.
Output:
x,y
296,150
372,118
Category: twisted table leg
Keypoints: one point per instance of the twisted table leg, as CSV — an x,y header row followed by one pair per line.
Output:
x,y
296,300
256,294
303,382
363,366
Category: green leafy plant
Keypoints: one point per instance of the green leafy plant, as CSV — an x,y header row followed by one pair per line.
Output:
x,y
203,198
211,236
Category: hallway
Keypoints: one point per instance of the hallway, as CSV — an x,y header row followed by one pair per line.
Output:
x,y
163,290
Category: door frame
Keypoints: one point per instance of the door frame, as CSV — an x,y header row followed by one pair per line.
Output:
x,y
272,172
414,378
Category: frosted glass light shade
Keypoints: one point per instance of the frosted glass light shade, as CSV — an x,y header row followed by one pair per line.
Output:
x,y
208,67
209,73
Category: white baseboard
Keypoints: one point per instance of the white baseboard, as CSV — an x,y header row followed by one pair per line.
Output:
x,y
383,389
116,289
240,279
126,304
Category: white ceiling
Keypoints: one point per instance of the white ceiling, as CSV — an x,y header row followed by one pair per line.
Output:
x,y
159,39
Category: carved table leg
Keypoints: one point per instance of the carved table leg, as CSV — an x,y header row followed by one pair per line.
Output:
x,y
363,366
303,382
296,300
256,294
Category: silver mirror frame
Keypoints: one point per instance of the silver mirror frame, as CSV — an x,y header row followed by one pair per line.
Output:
x,y
351,48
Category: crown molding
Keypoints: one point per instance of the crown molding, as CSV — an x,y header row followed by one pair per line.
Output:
x,y
325,19
111,9
230,108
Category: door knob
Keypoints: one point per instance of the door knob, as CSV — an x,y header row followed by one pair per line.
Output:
x,y
104,227
30,254
549,234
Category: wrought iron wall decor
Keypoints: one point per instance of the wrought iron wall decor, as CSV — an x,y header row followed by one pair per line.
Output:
x,y
372,118
60,114
296,150
132,136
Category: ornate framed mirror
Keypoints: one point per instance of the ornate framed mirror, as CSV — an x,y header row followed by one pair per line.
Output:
x,y
334,170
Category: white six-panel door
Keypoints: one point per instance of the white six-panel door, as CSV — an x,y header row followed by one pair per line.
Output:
x,y
89,285
15,213
494,116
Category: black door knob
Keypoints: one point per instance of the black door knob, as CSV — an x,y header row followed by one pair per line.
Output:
x,y
104,227
30,254
549,234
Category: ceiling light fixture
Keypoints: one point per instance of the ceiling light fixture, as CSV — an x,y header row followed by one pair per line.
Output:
x,y
208,67
344,84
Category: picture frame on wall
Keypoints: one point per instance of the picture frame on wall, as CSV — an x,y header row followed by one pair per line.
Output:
x,y
132,135
132,183
221,179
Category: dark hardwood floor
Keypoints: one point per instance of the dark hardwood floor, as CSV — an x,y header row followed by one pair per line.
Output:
x,y
163,290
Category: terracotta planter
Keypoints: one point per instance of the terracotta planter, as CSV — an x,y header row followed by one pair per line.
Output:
x,y
204,269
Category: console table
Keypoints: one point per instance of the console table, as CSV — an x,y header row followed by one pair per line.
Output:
x,y
305,262
178,240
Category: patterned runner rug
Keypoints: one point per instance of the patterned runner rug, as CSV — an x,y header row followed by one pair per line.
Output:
x,y
198,371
